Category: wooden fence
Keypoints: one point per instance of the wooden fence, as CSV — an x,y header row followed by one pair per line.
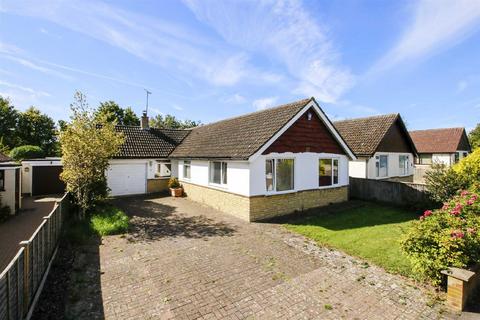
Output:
x,y
21,281
396,193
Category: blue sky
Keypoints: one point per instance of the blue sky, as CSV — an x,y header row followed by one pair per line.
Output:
x,y
207,60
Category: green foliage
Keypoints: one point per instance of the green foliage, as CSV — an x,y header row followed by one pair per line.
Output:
x,y
26,152
173,183
443,182
88,142
370,232
469,168
112,112
8,124
447,237
171,122
474,137
108,220
36,128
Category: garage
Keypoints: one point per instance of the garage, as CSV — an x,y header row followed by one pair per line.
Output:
x,y
127,178
46,180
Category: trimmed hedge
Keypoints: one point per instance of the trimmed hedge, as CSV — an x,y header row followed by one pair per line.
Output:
x,y
26,152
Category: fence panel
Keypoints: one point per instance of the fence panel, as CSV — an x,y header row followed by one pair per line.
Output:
x,y
21,279
396,193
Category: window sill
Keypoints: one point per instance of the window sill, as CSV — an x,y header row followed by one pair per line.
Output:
x,y
274,193
330,186
218,186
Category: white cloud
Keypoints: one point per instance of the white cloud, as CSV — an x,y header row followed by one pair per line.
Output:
x,y
177,107
436,24
264,103
37,67
235,99
286,32
24,89
461,86
176,48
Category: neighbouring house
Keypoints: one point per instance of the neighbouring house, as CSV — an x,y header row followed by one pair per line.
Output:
x,y
447,145
256,166
382,145
10,184
42,176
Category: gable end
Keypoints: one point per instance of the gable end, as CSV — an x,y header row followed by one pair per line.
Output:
x,y
396,140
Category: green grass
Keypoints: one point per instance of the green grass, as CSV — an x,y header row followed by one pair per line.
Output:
x,y
371,232
108,220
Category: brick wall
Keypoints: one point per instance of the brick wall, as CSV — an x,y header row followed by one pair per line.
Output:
x,y
264,207
157,185
230,203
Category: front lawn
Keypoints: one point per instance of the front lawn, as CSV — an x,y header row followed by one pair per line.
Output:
x,y
371,232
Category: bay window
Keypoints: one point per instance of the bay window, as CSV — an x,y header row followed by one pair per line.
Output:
x,y
327,172
381,165
403,165
279,174
186,169
218,172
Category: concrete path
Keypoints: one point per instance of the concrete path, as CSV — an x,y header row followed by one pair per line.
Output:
x,y
183,260
21,226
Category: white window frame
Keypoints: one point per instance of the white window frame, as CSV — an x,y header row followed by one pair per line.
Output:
x,y
406,164
189,164
158,169
211,171
377,161
274,191
332,176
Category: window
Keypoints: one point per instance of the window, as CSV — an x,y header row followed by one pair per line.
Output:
x,y
465,154
2,179
425,158
218,172
327,172
164,169
457,157
403,165
186,169
279,174
381,165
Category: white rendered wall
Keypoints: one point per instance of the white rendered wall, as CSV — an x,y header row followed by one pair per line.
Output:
x,y
26,172
445,158
358,168
8,196
305,171
393,165
237,175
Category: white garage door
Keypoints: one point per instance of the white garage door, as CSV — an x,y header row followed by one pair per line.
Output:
x,y
126,179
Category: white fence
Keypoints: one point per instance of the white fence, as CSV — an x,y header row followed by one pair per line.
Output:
x,y
22,278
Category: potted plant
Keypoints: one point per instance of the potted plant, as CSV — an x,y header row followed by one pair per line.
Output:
x,y
175,187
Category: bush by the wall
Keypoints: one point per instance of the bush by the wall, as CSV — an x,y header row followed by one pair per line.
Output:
x,y
447,237
469,168
443,182
26,152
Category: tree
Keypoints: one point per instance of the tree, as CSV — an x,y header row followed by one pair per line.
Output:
x,y
171,122
474,137
88,142
26,152
8,123
114,113
38,129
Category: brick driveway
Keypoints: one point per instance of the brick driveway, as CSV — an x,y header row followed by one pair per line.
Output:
x,y
183,260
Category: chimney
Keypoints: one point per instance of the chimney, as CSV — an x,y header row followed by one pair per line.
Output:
x,y
144,121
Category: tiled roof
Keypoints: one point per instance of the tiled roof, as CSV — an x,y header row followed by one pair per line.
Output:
x,y
239,137
363,135
4,158
149,143
439,140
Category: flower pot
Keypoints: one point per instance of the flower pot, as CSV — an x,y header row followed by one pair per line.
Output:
x,y
176,192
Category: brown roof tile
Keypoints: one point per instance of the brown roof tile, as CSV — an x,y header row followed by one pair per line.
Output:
x,y
363,135
446,140
4,158
239,137
149,143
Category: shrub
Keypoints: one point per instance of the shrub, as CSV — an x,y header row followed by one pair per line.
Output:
x,y
26,152
173,183
108,220
443,182
447,237
469,168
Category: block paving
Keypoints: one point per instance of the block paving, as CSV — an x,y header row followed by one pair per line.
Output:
x,y
183,260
